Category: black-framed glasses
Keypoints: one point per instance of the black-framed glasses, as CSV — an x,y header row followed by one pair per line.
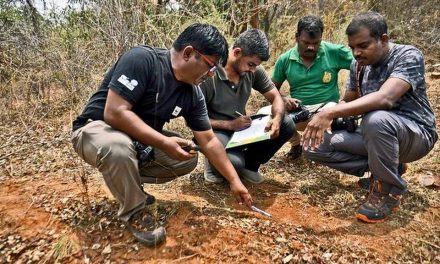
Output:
x,y
210,63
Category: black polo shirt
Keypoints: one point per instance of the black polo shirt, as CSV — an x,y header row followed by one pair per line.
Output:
x,y
144,77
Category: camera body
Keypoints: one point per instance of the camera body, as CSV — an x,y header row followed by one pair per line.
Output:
x,y
144,152
346,123
300,114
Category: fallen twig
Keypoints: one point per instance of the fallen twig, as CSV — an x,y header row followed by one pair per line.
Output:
x,y
12,153
429,243
184,258
27,210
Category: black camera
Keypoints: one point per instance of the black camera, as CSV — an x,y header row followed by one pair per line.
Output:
x,y
144,152
348,123
300,114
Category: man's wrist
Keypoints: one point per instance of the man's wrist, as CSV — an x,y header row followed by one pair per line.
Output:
x,y
277,118
229,125
163,143
326,113
234,181
284,97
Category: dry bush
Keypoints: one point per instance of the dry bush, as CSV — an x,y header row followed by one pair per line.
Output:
x,y
412,22
58,60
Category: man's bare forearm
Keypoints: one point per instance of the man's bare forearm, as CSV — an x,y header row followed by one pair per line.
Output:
x,y
129,123
221,124
364,104
278,109
214,150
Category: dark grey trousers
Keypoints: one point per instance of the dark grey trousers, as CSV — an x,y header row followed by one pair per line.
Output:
x,y
253,155
383,140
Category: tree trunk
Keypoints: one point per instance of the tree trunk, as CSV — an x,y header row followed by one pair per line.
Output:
x,y
34,17
254,15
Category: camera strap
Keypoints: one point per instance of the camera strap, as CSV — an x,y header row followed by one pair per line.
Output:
x,y
317,109
360,70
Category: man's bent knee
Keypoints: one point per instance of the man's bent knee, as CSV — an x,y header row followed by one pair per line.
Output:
x,y
157,172
377,122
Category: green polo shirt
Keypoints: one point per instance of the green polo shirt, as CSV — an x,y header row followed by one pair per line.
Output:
x,y
318,83
223,98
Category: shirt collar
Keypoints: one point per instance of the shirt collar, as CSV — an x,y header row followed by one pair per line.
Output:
x,y
294,54
221,74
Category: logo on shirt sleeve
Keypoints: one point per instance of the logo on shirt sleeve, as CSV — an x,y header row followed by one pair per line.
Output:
x,y
130,84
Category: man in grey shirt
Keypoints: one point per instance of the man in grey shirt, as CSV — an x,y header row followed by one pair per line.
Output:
x,y
387,87
226,96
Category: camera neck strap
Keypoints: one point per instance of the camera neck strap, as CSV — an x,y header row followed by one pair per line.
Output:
x,y
317,109
360,70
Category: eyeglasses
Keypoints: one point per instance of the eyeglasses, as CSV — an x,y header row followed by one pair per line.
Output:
x,y
211,64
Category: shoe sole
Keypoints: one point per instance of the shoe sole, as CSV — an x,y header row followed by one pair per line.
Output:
x,y
253,182
365,219
245,176
149,238
211,181
215,178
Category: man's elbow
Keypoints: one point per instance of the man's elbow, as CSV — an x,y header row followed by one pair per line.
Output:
x,y
386,103
110,116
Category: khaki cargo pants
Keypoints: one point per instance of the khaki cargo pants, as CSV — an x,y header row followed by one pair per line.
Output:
x,y
113,153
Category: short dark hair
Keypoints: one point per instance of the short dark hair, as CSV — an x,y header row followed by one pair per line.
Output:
x,y
206,39
373,21
312,25
253,42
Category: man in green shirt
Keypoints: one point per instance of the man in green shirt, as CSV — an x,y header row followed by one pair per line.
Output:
x,y
311,69
226,95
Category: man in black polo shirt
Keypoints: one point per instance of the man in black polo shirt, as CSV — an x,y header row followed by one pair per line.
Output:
x,y
144,89
226,96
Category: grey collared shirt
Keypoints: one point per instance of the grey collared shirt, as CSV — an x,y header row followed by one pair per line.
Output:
x,y
224,98
406,63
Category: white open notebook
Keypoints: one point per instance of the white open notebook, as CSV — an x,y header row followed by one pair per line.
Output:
x,y
252,134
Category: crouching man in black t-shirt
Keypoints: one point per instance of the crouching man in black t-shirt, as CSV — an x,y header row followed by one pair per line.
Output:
x,y
144,89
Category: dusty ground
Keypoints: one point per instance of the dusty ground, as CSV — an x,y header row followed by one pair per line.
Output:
x,y
54,208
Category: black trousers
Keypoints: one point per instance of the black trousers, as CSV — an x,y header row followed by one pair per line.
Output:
x,y
253,155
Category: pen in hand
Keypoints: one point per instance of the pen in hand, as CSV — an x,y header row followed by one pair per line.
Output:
x,y
238,113
241,122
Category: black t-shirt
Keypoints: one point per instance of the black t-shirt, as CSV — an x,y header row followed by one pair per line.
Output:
x,y
143,76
